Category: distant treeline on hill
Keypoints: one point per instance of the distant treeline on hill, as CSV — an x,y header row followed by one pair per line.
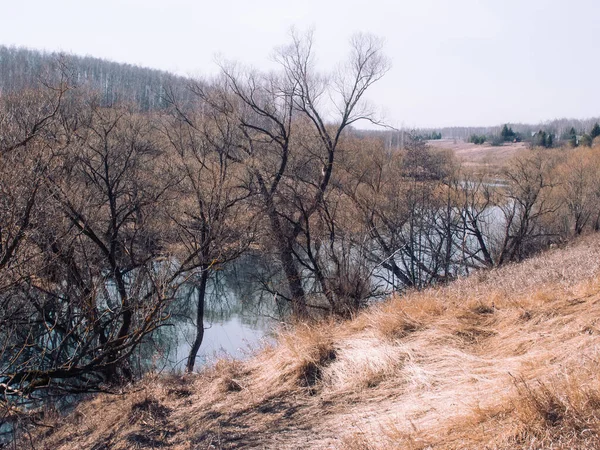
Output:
x,y
115,82
22,68
554,133
559,128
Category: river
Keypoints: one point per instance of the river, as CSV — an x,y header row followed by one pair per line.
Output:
x,y
238,319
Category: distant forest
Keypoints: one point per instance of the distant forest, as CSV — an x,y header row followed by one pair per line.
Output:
x,y
562,131
22,68
557,127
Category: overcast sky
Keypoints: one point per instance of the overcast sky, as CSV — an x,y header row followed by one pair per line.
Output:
x,y
455,62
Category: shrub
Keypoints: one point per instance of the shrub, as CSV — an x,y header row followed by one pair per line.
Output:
x,y
475,139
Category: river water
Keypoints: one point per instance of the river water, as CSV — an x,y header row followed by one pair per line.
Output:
x,y
239,317
239,314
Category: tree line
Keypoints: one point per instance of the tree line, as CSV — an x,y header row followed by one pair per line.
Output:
x,y
559,128
21,68
540,138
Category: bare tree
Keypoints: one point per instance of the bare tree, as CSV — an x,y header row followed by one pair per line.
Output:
x,y
526,201
580,175
93,287
27,115
298,116
213,223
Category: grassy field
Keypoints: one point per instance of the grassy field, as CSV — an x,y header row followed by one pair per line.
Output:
x,y
478,155
502,359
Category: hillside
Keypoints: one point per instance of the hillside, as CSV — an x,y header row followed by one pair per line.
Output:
x,y
22,68
502,359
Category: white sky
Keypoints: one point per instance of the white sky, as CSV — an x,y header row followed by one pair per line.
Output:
x,y
455,62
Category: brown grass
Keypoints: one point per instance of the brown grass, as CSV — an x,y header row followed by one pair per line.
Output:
x,y
480,155
502,359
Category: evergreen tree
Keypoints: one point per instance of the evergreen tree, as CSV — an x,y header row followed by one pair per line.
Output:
x,y
595,131
507,133
572,137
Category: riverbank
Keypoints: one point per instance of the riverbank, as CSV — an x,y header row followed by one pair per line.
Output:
x,y
502,359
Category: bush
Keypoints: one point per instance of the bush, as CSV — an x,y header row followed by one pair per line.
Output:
x,y
497,141
586,140
474,139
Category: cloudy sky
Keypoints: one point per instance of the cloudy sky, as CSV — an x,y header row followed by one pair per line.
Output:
x,y
455,62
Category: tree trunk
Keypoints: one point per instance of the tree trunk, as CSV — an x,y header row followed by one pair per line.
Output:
x,y
189,367
294,281
286,256
285,252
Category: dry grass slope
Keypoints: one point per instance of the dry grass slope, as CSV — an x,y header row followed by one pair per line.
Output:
x,y
499,360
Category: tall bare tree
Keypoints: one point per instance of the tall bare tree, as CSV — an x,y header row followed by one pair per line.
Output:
x,y
298,117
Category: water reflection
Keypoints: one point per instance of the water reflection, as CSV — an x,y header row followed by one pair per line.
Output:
x,y
240,312
238,318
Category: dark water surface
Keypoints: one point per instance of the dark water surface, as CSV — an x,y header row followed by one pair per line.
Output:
x,y
238,319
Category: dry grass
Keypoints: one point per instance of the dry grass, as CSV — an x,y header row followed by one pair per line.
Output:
x,y
562,413
480,155
300,356
502,359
